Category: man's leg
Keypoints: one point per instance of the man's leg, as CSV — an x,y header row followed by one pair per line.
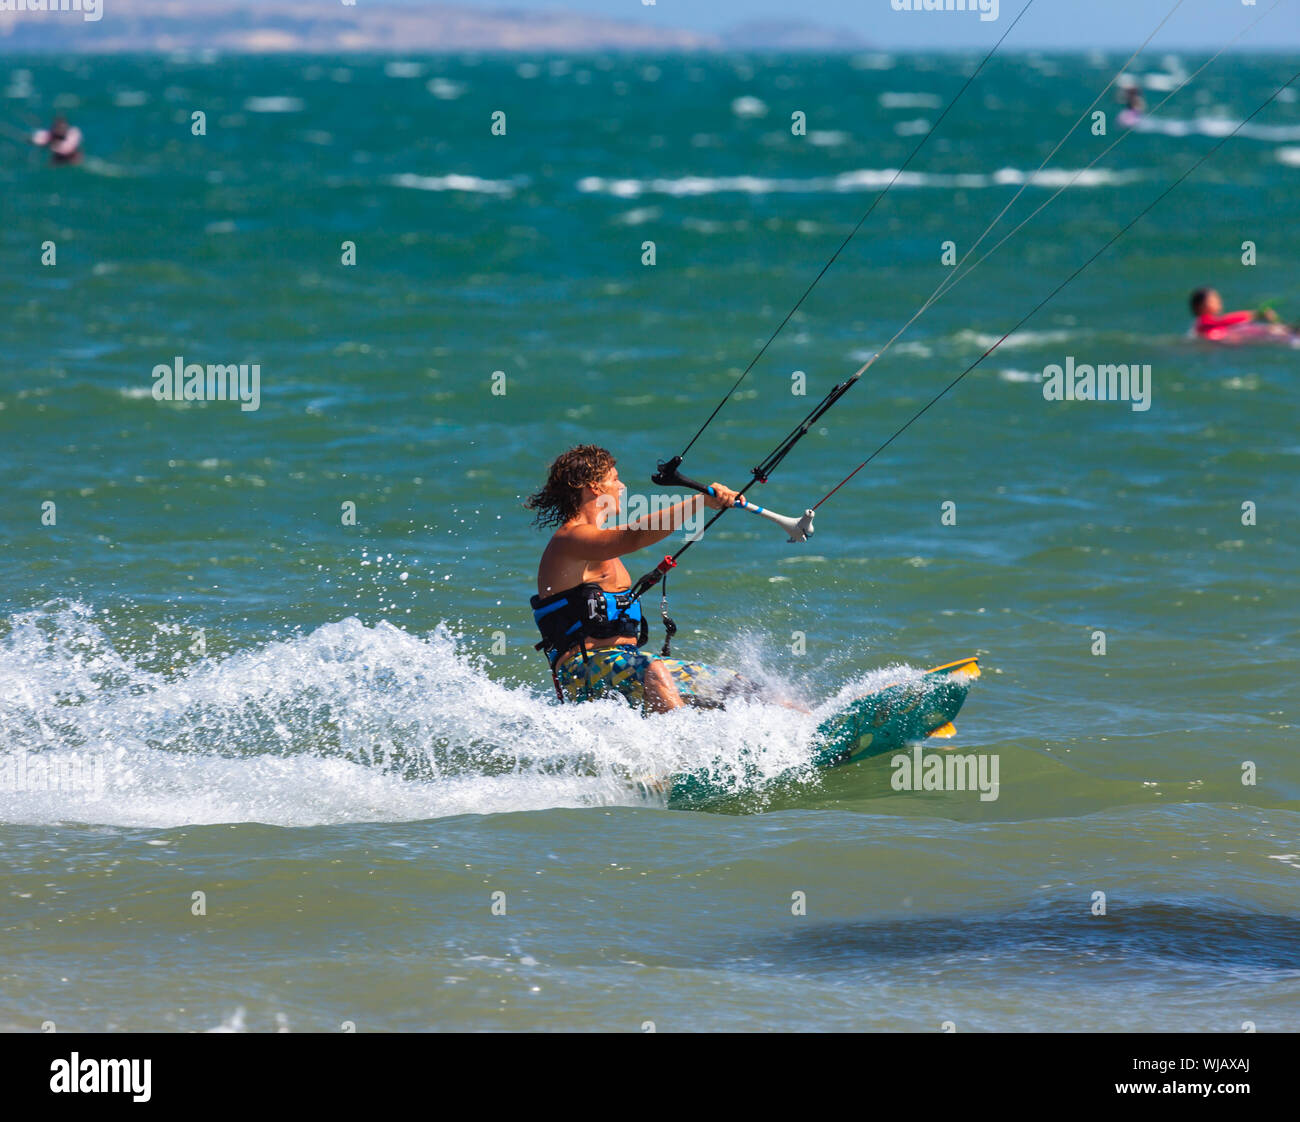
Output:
x,y
661,692
711,686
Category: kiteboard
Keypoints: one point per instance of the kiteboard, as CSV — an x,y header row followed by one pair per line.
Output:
x,y
882,721
1247,334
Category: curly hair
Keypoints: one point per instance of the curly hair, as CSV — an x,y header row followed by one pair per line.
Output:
x,y
559,500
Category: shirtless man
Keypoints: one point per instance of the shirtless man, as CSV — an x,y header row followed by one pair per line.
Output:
x,y
590,630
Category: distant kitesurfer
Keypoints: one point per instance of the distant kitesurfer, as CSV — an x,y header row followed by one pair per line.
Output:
x,y
1135,107
591,629
1214,325
62,139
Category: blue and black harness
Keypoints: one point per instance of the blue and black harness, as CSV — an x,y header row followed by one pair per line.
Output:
x,y
585,611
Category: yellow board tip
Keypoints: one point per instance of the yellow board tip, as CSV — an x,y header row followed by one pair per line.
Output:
x,y
968,666
943,732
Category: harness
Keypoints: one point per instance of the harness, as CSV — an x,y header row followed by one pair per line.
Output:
x,y
585,611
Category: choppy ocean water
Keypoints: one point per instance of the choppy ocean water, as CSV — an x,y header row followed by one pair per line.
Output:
x,y
340,734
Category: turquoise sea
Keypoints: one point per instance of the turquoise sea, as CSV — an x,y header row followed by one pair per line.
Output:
x,y
339,735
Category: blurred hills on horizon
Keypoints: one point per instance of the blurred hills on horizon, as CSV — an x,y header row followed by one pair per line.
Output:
x,y
289,26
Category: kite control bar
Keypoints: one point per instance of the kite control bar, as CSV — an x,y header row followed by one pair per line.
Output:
x,y
799,529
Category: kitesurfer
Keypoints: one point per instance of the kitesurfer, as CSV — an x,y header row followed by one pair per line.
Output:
x,y
1214,325
62,139
1135,107
591,627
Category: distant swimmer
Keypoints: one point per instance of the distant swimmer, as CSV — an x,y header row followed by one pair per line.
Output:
x,y
62,139
1234,327
1135,107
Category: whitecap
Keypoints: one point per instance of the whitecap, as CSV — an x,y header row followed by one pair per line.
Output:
x,y
444,89
274,104
910,101
469,183
749,107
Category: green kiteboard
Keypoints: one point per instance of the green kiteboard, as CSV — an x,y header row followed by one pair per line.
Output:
x,y
879,722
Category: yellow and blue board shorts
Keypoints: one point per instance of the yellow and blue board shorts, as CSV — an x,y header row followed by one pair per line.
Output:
x,y
622,668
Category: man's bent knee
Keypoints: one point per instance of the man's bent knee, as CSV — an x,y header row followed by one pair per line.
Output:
x,y
661,692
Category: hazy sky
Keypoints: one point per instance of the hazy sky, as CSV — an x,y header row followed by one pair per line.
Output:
x,y
1061,24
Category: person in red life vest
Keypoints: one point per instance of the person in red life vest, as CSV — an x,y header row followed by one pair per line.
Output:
x,y
62,139
1214,325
